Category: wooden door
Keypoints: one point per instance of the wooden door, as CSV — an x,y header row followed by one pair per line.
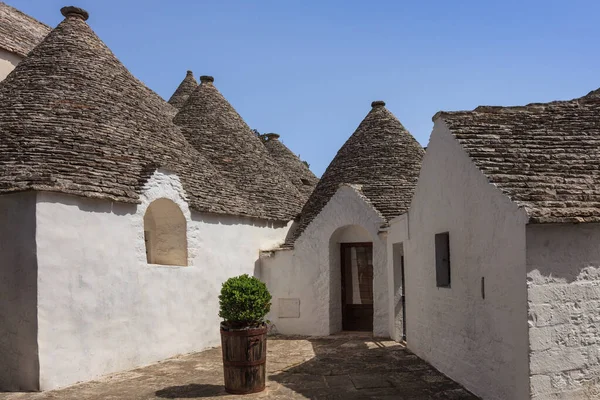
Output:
x,y
357,286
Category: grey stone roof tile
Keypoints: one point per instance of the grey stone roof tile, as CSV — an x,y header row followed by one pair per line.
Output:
x,y
19,33
296,170
74,120
220,134
183,91
543,156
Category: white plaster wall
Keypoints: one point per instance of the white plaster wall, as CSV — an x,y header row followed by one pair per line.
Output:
x,y
481,343
18,315
102,308
312,274
8,62
352,234
563,279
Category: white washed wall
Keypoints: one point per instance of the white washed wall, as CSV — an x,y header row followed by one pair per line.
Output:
x,y
8,62
563,279
102,308
311,275
481,343
18,297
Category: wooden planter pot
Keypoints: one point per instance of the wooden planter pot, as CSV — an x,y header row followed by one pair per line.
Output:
x,y
244,359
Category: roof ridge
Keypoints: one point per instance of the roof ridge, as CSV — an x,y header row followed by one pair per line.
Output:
x,y
515,108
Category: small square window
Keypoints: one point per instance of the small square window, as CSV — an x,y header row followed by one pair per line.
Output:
x,y
442,259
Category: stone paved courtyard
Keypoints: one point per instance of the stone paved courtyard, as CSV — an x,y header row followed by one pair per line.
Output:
x,y
336,367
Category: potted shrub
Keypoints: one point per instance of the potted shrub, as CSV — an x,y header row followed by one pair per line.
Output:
x,y
243,304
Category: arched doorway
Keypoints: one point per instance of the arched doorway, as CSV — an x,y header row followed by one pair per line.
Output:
x,y
351,259
165,233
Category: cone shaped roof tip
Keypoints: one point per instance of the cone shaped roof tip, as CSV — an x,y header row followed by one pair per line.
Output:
x,y
76,12
206,79
183,91
382,156
272,136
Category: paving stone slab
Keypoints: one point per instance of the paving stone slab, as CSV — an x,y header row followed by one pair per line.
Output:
x,y
343,367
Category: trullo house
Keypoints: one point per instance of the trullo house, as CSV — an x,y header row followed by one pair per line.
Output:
x,y
122,214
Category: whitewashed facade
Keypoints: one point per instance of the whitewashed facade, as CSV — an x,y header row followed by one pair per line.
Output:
x,y
479,342
306,281
8,62
100,306
520,318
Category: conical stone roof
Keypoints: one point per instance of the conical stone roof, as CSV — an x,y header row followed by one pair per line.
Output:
x,y
213,127
183,91
382,157
296,170
74,120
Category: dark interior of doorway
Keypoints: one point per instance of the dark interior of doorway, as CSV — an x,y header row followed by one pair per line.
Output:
x,y
357,286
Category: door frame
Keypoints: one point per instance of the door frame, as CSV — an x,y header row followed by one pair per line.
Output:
x,y
343,247
403,297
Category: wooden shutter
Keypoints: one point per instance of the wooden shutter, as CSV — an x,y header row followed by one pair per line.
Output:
x,y
442,259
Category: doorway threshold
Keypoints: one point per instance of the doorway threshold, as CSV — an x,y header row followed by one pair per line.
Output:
x,y
353,334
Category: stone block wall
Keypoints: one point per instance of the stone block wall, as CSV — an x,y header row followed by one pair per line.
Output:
x,y
563,273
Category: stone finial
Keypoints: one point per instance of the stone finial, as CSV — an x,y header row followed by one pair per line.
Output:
x,y
189,73
206,79
76,12
272,136
378,103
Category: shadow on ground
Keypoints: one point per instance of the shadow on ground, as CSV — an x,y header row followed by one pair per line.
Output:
x,y
192,391
357,368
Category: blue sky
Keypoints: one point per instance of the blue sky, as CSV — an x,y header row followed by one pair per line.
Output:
x,y
309,69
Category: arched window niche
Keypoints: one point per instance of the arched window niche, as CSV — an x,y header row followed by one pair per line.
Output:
x,y
165,234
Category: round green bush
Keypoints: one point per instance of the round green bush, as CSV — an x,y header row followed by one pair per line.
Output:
x,y
244,301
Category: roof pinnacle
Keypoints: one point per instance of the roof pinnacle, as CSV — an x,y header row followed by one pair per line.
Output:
x,y
378,103
72,11
206,79
272,136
